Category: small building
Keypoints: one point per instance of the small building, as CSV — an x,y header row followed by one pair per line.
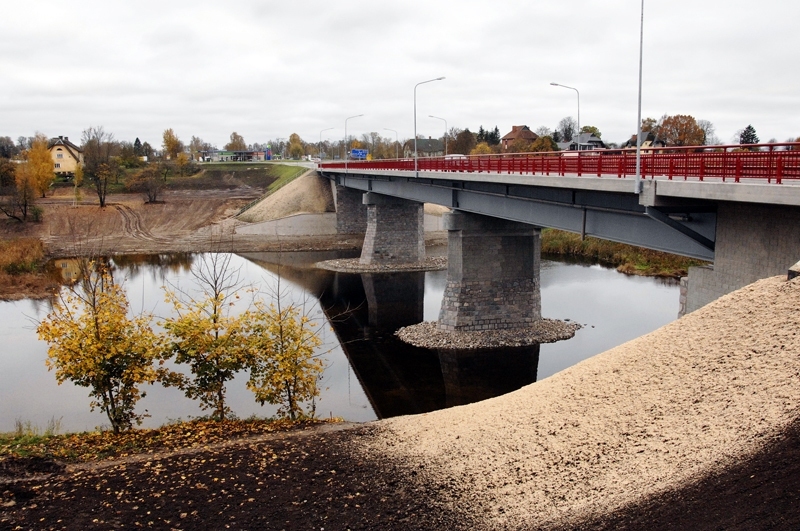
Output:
x,y
67,157
426,147
649,142
217,155
518,132
582,142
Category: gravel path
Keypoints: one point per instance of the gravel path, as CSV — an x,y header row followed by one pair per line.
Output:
x,y
649,416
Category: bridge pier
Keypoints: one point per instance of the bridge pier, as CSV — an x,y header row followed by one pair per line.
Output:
x,y
351,214
492,274
395,230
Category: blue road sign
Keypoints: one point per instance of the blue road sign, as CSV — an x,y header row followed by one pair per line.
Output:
x,y
358,153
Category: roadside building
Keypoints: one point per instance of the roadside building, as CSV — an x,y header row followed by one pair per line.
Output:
x,y
66,155
518,132
582,142
649,142
426,147
217,155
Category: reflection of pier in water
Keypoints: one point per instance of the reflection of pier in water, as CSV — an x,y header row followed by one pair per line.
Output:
x,y
399,379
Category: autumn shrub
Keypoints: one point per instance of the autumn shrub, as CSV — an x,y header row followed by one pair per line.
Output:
x,y
284,367
21,255
276,343
94,343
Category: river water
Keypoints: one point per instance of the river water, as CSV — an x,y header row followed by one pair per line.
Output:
x,y
369,373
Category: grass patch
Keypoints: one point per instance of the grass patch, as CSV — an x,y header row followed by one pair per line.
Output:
x,y
90,446
285,175
21,255
228,176
626,258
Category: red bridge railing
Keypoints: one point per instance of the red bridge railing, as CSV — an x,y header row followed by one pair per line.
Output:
x,y
773,163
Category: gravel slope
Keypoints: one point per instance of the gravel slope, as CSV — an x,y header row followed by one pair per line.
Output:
x,y
652,415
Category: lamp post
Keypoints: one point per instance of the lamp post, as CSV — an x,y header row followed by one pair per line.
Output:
x,y
416,171
319,146
578,143
638,183
347,147
396,143
445,131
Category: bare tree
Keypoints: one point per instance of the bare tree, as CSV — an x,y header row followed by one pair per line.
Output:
x,y
709,136
567,128
100,166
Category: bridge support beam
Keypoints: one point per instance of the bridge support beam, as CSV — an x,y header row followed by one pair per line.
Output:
x,y
395,230
351,214
492,274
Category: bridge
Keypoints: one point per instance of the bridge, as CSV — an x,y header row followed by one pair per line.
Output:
x,y
735,206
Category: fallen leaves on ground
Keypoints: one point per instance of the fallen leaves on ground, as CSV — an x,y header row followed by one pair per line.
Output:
x,y
83,447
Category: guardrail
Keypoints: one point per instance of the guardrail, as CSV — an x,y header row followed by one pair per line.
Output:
x,y
773,163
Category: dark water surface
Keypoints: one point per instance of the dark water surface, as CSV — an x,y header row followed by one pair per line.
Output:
x,y
369,374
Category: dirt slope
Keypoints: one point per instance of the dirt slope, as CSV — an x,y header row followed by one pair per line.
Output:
x,y
308,193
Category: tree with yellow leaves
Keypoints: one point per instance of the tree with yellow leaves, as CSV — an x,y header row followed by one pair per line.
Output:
x,y
171,143
284,366
39,164
205,335
94,343
481,149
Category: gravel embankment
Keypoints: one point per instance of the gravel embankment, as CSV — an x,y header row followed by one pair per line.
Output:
x,y
697,396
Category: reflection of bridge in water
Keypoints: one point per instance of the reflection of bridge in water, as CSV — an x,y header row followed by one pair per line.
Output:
x,y
398,378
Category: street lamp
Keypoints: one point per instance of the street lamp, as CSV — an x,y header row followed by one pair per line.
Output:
x,y
445,131
347,147
578,143
416,171
638,183
319,146
396,143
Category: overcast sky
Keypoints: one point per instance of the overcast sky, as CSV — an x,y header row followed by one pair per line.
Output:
x,y
268,69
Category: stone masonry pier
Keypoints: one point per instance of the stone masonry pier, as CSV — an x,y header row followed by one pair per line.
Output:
x,y
492,274
351,214
395,230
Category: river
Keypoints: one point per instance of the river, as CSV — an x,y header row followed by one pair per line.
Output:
x,y
369,373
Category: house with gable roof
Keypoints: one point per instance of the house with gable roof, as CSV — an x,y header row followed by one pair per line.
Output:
x,y
66,155
517,132
427,147
582,142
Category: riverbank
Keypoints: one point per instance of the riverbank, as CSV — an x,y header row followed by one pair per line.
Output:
x,y
692,426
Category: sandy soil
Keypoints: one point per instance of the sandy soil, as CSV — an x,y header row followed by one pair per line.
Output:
x,y
309,193
185,221
701,394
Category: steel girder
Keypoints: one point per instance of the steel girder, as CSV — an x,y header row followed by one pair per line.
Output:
x,y
688,229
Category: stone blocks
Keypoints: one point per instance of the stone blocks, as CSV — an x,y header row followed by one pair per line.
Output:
x,y
492,275
395,231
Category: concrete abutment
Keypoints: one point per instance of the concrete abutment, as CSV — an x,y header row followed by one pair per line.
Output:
x,y
753,242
